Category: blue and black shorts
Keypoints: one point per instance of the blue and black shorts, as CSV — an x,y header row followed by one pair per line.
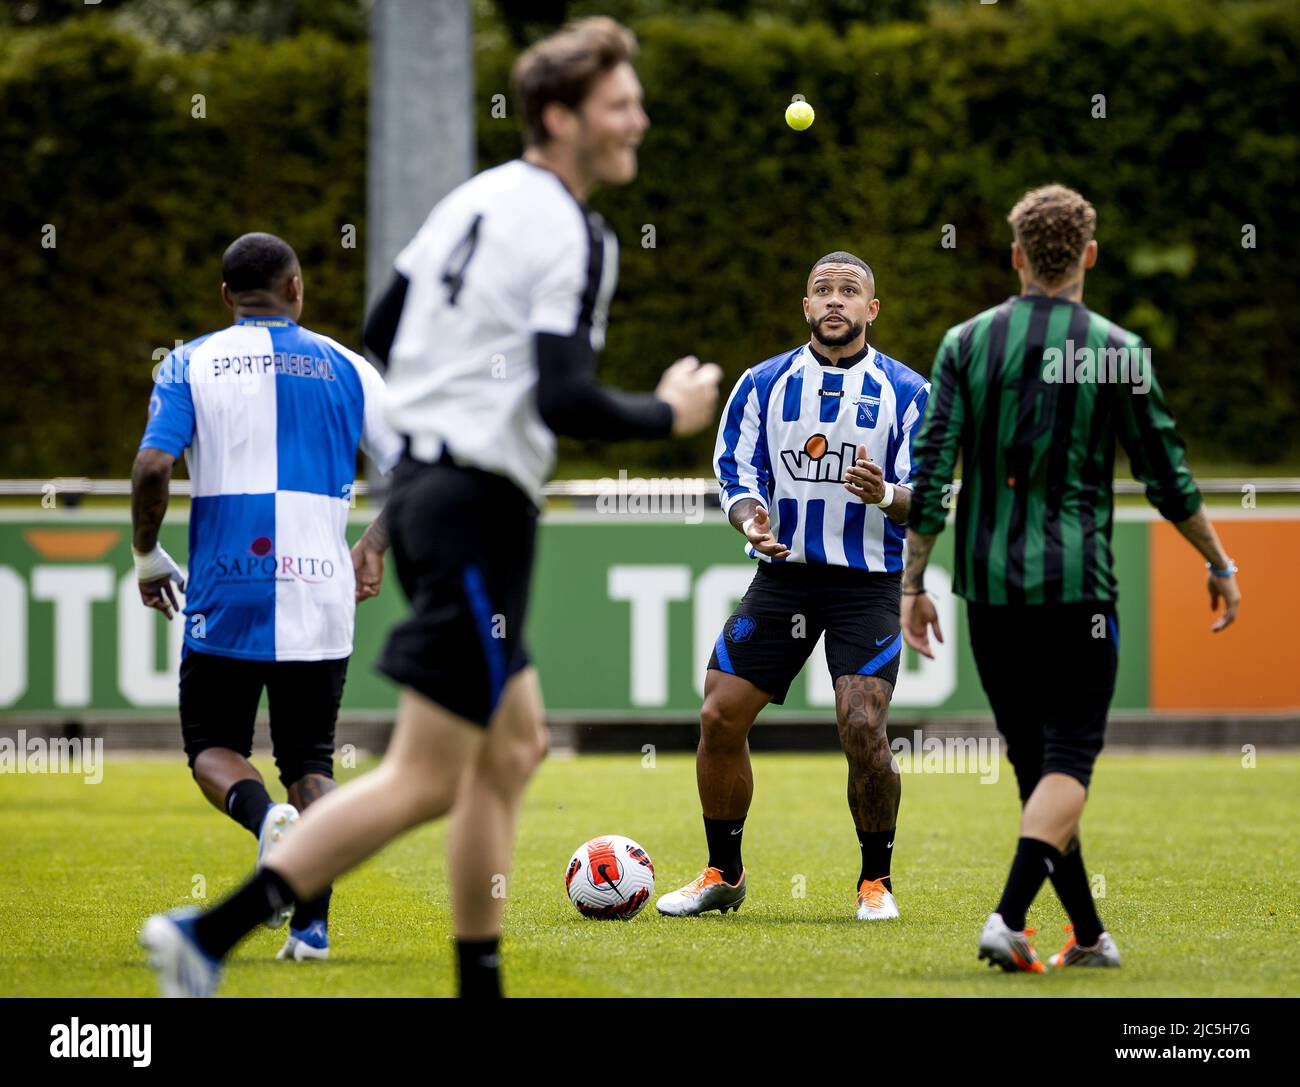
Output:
x,y
789,605
462,541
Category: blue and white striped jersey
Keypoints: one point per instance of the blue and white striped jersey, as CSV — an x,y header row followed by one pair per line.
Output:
x,y
790,430
270,416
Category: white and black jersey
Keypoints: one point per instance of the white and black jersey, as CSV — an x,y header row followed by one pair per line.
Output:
x,y
492,324
490,329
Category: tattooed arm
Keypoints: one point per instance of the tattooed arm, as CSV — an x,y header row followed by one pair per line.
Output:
x,y
150,488
376,536
368,557
919,546
918,613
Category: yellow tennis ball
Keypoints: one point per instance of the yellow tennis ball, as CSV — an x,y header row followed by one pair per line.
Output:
x,y
799,115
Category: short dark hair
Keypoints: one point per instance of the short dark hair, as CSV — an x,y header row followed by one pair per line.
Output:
x,y
842,257
257,262
562,68
1053,225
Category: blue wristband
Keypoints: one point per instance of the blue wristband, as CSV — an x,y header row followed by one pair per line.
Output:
x,y
1227,571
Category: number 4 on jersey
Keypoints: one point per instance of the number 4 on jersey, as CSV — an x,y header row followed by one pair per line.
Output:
x,y
453,275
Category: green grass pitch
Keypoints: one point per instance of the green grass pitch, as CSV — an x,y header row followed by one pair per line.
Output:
x,y
1197,854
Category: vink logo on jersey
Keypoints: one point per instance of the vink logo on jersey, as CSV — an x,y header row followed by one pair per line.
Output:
x,y
261,561
815,464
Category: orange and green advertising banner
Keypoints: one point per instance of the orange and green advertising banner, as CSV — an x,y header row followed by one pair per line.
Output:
x,y
624,613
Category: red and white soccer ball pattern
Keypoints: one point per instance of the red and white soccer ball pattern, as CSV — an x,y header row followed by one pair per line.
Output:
x,y
610,878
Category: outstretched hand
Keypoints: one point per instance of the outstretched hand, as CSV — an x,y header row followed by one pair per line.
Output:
x,y
758,531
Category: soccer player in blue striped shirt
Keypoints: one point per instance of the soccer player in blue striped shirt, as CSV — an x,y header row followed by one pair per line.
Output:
x,y
814,455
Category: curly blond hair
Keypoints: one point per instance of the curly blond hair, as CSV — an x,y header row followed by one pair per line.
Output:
x,y
1053,225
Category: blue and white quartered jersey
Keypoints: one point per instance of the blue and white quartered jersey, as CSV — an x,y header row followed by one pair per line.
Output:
x,y
789,432
270,415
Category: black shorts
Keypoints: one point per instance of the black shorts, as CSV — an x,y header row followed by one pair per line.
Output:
x,y
786,608
462,541
220,696
1049,673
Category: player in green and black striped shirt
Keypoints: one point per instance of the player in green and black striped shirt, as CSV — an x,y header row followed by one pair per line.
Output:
x,y
1034,394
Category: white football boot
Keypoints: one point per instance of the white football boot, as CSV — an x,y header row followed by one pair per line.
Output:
x,y
875,903
1102,953
184,969
707,891
277,822
1007,948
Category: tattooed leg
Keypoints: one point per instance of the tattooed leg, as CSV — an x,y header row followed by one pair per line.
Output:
x,y
310,788
861,709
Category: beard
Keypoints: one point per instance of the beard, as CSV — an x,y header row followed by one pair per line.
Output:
x,y
847,334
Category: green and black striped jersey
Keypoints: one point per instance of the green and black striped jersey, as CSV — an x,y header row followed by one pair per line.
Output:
x,y
1034,393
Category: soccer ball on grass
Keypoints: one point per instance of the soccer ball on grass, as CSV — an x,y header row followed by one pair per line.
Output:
x,y
610,878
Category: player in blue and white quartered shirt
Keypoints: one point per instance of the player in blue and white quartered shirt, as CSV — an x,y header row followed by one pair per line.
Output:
x,y
814,455
270,416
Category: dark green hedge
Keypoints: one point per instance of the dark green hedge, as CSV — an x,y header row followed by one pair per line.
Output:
x,y
97,138
917,126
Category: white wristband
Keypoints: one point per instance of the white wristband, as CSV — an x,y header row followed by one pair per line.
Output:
x,y
888,500
156,564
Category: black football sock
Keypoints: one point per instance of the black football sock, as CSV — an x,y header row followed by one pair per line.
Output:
x,y
246,804
223,926
1034,862
317,909
724,846
1071,883
877,853
478,963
